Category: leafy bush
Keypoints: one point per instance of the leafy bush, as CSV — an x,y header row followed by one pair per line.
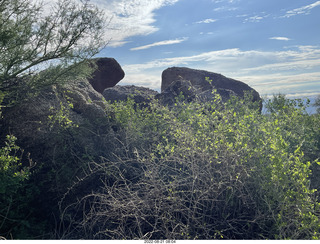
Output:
x,y
205,171
12,178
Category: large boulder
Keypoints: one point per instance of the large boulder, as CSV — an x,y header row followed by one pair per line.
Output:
x,y
65,126
201,83
140,95
169,95
43,121
191,93
107,74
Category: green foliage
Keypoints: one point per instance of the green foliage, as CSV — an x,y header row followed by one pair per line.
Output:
x,y
208,171
61,116
193,171
12,178
10,164
280,104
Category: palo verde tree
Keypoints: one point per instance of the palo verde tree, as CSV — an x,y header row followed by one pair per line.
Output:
x,y
40,44
51,38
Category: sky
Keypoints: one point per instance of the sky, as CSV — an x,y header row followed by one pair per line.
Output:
x,y
272,45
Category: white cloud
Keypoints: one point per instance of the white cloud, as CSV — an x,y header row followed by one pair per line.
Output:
x,y
220,58
289,65
303,10
225,8
280,38
278,82
128,18
206,21
229,1
146,79
131,18
167,42
241,15
292,70
256,18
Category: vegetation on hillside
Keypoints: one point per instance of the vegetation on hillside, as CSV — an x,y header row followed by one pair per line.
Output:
x,y
194,171
206,171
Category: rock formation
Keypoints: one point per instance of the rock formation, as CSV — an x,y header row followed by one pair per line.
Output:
x,y
62,129
193,84
39,120
201,83
122,93
107,74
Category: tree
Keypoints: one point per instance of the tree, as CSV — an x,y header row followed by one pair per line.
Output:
x,y
55,42
317,104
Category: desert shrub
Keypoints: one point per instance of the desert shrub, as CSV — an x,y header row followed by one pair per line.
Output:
x,y
204,171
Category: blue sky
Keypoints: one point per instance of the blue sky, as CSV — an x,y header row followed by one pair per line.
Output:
x,y
272,45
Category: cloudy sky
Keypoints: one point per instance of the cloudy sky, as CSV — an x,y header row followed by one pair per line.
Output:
x,y
272,45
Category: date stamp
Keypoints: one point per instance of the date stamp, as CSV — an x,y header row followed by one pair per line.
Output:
x,y
160,241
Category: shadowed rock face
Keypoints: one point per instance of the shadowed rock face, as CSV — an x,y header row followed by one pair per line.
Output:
x,y
198,79
60,127
122,93
30,121
191,93
107,74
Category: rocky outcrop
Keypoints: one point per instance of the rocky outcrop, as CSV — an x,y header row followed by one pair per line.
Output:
x,y
193,84
107,74
122,93
201,83
39,119
169,95
62,129
191,93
